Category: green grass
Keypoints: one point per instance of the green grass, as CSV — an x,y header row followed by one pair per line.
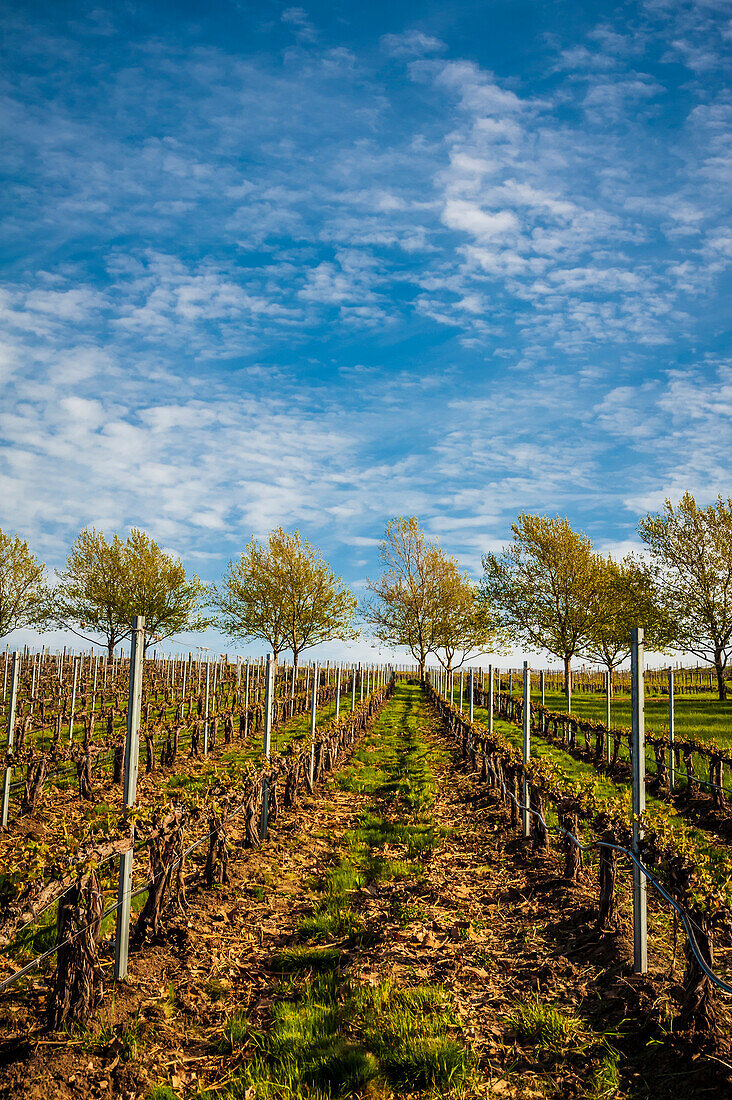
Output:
x,y
544,1025
695,715
328,1035
294,959
332,1036
583,770
239,754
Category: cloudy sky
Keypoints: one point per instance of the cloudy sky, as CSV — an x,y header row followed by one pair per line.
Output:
x,y
320,266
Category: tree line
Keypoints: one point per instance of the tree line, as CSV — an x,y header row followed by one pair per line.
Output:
x,y
548,589
552,591
280,591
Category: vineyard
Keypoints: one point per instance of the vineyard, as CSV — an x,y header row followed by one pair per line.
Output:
x,y
325,881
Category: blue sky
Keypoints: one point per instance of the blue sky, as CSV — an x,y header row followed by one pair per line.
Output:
x,y
321,266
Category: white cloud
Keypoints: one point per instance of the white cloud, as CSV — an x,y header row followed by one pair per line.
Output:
x,y
413,43
482,224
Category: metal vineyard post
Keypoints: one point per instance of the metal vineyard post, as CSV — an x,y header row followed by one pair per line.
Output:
x,y
313,707
9,737
671,731
640,916
268,694
525,822
132,752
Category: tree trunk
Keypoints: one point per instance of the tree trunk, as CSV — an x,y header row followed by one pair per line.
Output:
x,y
568,678
110,648
721,684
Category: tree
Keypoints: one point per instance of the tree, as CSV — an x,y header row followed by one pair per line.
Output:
x,y
691,553
466,626
156,585
284,593
23,592
107,582
91,591
626,597
544,586
249,599
405,603
319,607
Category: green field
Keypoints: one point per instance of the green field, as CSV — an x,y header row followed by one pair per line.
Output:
x,y
701,716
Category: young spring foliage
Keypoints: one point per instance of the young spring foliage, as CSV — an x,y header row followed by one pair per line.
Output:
x,y
107,582
545,586
691,549
284,593
466,625
625,597
404,606
423,602
23,593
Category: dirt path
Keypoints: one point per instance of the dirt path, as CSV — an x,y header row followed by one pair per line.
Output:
x,y
392,936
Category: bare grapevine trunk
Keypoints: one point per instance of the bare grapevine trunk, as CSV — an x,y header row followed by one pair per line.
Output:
x,y
75,989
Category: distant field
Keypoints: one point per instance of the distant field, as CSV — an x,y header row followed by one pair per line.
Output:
x,y
701,716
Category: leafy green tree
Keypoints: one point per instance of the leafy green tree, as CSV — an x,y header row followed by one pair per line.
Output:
x,y
284,593
544,586
91,590
249,600
319,607
466,626
157,586
107,582
691,554
404,606
23,591
626,597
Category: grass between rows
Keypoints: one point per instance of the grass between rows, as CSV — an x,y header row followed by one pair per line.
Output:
x,y
329,1035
